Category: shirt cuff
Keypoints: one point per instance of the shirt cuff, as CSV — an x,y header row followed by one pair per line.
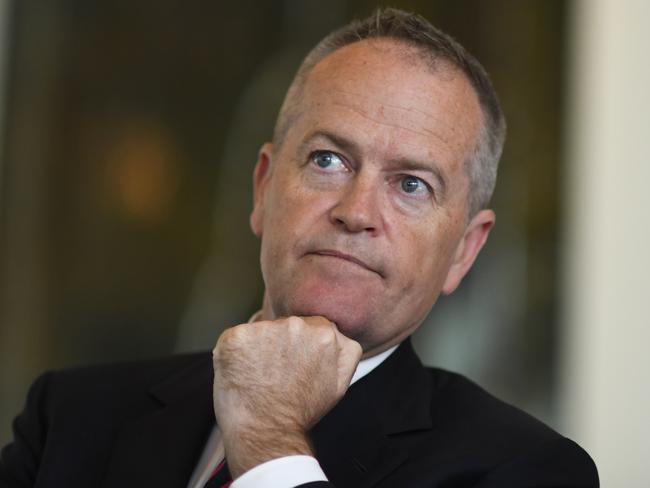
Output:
x,y
284,472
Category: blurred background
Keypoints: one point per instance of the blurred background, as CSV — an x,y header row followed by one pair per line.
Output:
x,y
128,134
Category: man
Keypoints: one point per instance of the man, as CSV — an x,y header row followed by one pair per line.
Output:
x,y
370,203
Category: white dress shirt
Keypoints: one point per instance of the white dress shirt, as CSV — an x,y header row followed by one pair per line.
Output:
x,y
284,472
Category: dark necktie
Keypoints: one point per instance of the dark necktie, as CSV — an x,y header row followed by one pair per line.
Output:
x,y
220,477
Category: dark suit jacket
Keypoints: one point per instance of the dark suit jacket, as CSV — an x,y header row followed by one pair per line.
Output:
x,y
403,425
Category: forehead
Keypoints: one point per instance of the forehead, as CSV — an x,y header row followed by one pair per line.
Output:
x,y
385,96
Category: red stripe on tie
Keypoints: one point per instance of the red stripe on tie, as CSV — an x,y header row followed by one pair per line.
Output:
x,y
217,469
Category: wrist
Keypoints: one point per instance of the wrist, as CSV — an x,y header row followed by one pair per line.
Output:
x,y
247,448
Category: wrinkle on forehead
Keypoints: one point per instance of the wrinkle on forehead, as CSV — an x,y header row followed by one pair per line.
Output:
x,y
383,119
359,95
358,77
444,127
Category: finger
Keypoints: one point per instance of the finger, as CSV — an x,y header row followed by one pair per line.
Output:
x,y
348,347
350,352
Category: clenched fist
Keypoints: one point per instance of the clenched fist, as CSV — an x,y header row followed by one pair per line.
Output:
x,y
273,380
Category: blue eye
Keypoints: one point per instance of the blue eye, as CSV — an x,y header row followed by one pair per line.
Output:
x,y
327,160
413,185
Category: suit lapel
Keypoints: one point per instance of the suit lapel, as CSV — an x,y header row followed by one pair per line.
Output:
x,y
161,446
355,443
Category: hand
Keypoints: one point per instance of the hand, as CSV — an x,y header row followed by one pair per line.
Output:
x,y
273,380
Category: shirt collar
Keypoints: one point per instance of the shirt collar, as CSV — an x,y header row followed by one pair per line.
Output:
x,y
365,366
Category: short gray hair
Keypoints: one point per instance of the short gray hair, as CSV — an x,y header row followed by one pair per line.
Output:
x,y
434,45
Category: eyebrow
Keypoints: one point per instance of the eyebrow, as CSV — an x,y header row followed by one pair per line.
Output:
x,y
339,141
406,164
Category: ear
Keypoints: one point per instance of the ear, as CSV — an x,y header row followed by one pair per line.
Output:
x,y
476,233
261,177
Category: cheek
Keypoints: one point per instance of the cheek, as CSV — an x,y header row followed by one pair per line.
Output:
x,y
299,198
281,204
425,260
293,211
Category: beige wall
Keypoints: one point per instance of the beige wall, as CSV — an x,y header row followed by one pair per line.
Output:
x,y
606,265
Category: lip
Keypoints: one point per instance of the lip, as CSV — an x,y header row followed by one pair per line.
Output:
x,y
346,257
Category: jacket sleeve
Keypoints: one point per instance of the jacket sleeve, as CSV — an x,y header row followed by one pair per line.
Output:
x,y
558,463
20,459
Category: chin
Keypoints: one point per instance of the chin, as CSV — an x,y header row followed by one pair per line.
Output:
x,y
353,318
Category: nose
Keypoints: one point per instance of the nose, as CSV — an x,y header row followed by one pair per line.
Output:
x,y
358,208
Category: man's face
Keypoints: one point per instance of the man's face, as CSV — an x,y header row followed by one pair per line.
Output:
x,y
362,210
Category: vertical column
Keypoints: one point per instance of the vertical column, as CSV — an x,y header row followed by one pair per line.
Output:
x,y
606,266
26,311
4,43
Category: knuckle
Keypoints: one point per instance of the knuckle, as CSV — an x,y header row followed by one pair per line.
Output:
x,y
225,337
295,323
325,334
229,337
